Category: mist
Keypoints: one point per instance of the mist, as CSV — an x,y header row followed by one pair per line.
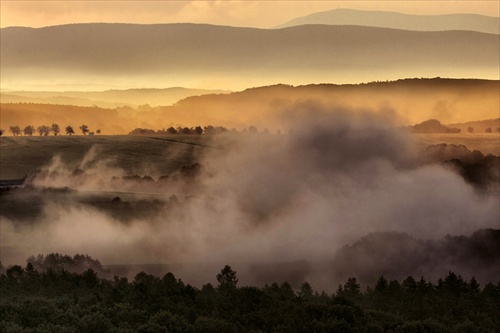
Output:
x,y
287,201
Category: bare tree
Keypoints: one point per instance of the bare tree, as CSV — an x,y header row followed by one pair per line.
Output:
x,y
55,129
29,130
16,130
84,129
70,130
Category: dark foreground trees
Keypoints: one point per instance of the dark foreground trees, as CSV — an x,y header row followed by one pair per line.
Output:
x,y
55,300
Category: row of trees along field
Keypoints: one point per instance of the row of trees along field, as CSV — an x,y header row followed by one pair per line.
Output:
x,y
470,129
210,130
45,297
44,130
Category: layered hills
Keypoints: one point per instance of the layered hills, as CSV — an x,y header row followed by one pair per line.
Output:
x,y
182,54
277,107
395,20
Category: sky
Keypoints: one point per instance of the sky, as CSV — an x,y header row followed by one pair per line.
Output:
x,y
260,14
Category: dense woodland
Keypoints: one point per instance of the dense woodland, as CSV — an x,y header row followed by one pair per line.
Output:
x,y
43,297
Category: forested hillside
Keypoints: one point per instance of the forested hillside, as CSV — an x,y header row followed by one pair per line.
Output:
x,y
56,300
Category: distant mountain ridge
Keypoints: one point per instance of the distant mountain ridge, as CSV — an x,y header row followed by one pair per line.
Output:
x,y
176,54
395,20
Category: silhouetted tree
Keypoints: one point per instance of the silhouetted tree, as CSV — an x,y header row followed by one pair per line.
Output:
x,y
84,129
98,131
470,129
410,284
43,130
16,130
252,129
227,278
474,286
306,290
198,130
29,130
55,129
382,284
1,132
171,130
70,130
352,287
488,130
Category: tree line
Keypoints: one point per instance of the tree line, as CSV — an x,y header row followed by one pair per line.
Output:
x,y
44,130
470,129
198,130
46,297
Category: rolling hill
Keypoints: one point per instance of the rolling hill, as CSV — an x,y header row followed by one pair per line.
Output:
x,y
395,20
277,107
180,54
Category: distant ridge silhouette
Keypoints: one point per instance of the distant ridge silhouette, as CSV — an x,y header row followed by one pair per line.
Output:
x,y
395,20
176,51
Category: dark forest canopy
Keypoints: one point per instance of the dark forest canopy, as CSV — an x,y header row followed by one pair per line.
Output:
x,y
55,300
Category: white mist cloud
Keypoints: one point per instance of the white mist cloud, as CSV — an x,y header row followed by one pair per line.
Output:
x,y
271,198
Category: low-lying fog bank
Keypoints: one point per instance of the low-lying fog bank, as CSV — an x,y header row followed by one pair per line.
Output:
x,y
264,202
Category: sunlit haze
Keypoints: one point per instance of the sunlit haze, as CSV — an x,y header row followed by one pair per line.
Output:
x,y
339,160
100,70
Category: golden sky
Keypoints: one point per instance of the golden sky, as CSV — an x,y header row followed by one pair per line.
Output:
x,y
262,14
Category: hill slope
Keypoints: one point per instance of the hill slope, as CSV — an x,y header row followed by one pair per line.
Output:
x,y
395,20
178,54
